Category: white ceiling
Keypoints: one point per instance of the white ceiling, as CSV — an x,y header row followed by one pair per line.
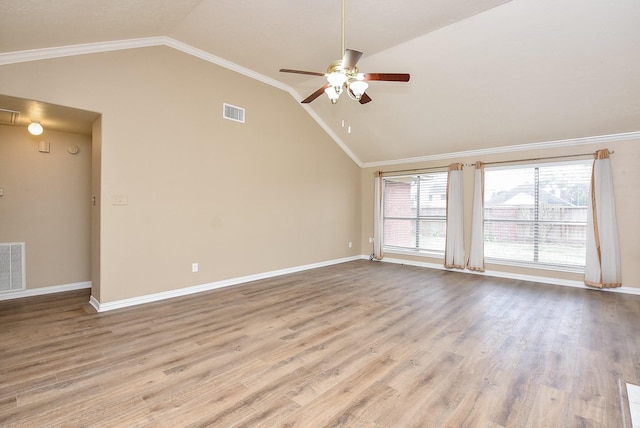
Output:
x,y
484,73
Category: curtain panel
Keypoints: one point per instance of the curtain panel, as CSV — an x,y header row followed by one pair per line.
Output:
x,y
602,266
476,252
454,244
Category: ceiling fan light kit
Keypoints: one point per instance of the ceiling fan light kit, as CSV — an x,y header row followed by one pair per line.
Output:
x,y
332,94
343,76
357,87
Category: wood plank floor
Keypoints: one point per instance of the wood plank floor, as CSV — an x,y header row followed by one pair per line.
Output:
x,y
360,344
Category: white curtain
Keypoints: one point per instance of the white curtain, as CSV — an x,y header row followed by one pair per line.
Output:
x,y
454,246
476,252
602,268
377,218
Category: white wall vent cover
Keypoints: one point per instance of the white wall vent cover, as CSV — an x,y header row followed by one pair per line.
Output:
x,y
232,112
12,277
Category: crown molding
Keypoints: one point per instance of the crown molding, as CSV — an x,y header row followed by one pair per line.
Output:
x,y
73,50
116,45
600,139
264,79
199,53
188,49
328,130
90,48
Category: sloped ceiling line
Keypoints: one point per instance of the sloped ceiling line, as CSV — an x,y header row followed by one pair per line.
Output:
x,y
90,48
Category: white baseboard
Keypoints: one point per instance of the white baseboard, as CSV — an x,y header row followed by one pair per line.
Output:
x,y
118,304
103,307
509,275
45,290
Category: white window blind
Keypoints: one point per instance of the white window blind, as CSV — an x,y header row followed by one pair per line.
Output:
x,y
536,214
414,212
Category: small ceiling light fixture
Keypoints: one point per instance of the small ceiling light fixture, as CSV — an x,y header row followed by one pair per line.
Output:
x,y
332,94
357,87
35,128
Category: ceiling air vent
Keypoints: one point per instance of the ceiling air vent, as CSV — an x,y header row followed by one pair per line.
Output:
x,y
8,117
232,112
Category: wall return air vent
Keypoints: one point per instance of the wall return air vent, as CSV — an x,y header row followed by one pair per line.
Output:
x,y
232,112
8,117
12,267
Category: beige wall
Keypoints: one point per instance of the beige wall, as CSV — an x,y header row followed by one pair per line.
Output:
x,y
625,162
239,199
46,204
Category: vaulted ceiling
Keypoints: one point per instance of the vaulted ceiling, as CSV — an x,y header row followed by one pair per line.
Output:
x,y
484,73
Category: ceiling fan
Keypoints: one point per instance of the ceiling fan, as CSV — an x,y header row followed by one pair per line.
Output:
x,y
343,76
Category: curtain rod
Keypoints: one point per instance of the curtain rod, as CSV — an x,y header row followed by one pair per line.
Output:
x,y
536,159
414,169
490,163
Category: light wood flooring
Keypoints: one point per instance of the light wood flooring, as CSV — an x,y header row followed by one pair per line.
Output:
x,y
360,344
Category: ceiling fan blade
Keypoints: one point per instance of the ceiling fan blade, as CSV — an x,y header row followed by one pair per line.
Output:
x,y
365,98
350,59
312,73
315,95
388,77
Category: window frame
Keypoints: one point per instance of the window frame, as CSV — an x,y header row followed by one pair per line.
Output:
x,y
416,250
535,223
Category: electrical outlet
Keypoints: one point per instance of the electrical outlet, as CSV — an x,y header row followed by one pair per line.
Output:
x,y
350,244
370,240
194,267
119,200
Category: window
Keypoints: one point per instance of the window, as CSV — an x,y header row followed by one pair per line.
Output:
x,y
536,214
414,212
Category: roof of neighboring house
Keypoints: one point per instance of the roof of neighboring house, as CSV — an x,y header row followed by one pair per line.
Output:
x,y
523,195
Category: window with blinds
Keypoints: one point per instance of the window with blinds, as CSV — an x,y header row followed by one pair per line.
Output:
x,y
414,212
536,214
